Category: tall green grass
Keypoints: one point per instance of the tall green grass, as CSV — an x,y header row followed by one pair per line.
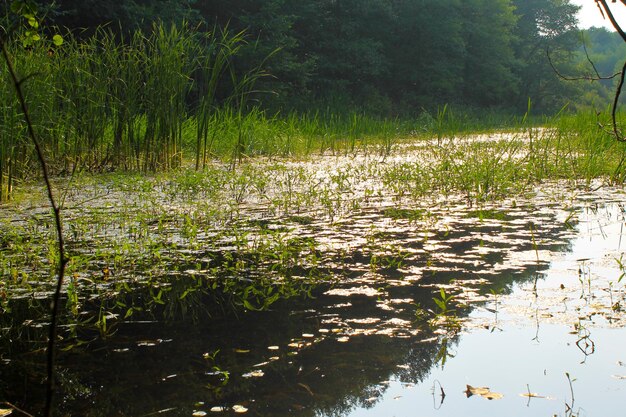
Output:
x,y
154,100
107,103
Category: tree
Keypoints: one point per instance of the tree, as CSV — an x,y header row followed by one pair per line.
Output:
x,y
544,25
427,53
124,16
488,77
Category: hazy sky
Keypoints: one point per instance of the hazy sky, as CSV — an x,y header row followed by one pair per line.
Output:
x,y
589,15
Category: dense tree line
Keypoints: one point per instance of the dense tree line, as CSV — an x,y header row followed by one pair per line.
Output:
x,y
385,56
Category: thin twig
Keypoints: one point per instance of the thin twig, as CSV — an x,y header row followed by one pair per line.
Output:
x,y
17,83
19,410
571,388
587,77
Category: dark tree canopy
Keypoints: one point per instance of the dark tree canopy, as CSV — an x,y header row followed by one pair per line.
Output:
x,y
387,56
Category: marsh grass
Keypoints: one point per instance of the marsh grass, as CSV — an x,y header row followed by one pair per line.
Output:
x,y
109,103
153,100
150,102
233,230
156,100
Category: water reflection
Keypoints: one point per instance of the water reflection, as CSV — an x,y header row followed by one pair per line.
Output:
x,y
344,350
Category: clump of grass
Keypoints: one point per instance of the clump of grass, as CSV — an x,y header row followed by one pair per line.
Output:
x,y
107,103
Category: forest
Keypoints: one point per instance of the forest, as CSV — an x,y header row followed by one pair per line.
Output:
x,y
323,208
380,56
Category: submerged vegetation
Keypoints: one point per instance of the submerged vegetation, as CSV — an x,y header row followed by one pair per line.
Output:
x,y
253,230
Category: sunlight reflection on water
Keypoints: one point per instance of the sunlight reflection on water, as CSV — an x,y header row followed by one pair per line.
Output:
x,y
561,324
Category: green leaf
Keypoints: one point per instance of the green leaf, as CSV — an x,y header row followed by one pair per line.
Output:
x,y
57,40
32,21
16,7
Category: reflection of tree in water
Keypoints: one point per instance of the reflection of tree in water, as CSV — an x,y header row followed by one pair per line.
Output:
x,y
152,366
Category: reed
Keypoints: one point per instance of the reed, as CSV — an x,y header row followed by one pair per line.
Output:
x,y
215,55
151,101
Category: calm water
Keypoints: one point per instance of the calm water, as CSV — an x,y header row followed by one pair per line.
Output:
x,y
536,293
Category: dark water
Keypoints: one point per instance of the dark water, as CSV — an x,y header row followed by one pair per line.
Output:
x,y
537,297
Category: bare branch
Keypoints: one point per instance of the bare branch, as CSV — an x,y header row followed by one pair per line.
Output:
x,y
19,410
606,12
587,77
616,132
56,210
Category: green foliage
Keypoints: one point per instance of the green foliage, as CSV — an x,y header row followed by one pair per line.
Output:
x,y
27,11
376,56
544,25
149,100
489,36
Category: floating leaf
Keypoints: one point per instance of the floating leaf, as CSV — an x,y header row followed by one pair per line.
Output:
x,y
218,409
242,350
239,409
484,392
273,348
199,414
531,395
254,374
308,335
5,411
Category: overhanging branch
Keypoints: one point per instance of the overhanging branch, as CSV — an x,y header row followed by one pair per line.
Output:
x,y
606,12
